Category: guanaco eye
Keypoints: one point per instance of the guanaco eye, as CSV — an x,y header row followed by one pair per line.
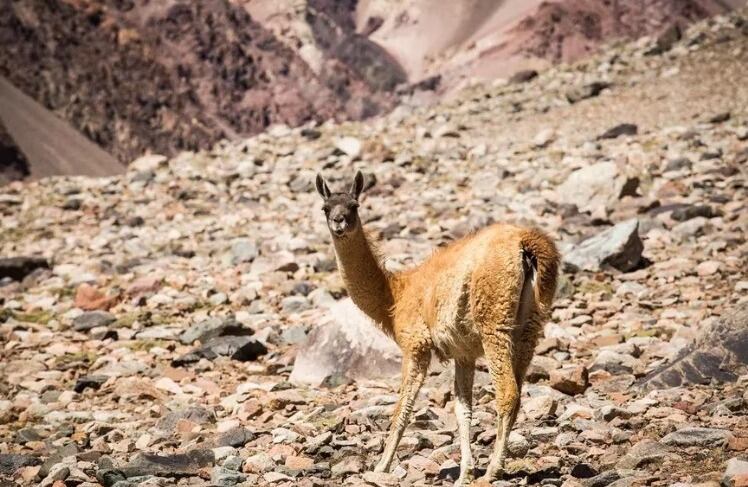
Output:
x,y
326,209
353,205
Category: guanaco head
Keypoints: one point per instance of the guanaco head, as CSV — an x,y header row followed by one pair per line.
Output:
x,y
341,209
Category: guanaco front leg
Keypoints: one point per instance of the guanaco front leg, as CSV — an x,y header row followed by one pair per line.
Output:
x,y
464,373
415,369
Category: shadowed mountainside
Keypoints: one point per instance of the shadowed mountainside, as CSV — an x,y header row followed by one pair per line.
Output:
x,y
135,76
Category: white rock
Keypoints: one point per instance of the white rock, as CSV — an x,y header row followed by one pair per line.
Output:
x,y
349,145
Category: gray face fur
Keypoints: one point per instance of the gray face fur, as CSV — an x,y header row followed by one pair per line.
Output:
x,y
341,209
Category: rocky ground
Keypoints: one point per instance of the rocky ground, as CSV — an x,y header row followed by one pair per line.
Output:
x,y
153,338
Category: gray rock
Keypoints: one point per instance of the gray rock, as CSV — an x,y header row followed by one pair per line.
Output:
x,y
195,414
218,299
211,328
160,332
736,473
294,334
706,437
619,247
72,204
66,450
350,146
177,465
691,228
242,348
692,211
233,462
25,435
667,39
313,445
627,481
10,462
719,354
132,482
517,445
58,472
108,476
646,452
596,187
614,362
350,346
16,268
583,471
619,130
602,480
588,90
523,76
260,462
243,250
93,319
678,163
223,477
349,465
89,382
295,304
609,413
236,437
719,117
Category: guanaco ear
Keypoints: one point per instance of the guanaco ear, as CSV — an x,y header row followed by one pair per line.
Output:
x,y
358,185
322,188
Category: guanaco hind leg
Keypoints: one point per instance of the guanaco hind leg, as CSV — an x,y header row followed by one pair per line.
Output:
x,y
464,374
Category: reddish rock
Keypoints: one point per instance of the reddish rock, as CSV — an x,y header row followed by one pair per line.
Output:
x,y
88,298
570,380
143,285
186,426
738,443
299,463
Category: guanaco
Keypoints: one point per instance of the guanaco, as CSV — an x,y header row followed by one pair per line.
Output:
x,y
489,293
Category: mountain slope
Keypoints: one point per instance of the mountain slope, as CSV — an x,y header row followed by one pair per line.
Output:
x,y
489,39
141,76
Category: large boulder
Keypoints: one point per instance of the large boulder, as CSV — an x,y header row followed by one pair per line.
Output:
x,y
719,354
596,187
349,346
619,247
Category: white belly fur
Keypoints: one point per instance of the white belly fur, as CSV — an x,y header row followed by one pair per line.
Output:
x,y
454,334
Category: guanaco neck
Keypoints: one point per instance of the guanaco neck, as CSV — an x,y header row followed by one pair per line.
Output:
x,y
369,284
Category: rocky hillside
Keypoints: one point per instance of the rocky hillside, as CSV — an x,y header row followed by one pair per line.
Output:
x,y
166,326
489,39
138,76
